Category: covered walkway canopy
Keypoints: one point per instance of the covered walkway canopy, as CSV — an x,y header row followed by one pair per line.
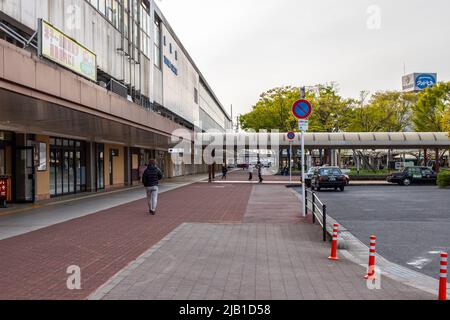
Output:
x,y
341,140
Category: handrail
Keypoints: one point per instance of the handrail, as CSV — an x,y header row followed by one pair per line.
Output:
x,y
319,213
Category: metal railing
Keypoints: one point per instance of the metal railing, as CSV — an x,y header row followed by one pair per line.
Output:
x,y
319,210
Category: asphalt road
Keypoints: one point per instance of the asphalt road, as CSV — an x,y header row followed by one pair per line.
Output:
x,y
412,224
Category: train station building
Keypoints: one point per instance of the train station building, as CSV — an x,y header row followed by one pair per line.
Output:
x,y
89,91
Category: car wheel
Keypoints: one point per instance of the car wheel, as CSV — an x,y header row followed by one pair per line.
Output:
x,y
342,189
406,182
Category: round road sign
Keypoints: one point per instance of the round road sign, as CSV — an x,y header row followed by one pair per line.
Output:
x,y
302,109
291,135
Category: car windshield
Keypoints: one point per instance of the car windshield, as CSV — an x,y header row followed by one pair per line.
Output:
x,y
330,172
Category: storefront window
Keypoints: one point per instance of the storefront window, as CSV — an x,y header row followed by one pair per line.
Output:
x,y
67,167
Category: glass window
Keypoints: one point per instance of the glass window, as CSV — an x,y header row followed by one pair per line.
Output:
x,y
330,171
115,18
95,3
109,10
102,6
176,55
125,25
157,41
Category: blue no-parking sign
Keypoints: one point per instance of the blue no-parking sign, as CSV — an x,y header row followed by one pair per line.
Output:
x,y
302,109
291,135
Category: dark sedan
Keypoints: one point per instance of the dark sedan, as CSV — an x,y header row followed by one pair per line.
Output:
x,y
413,175
328,178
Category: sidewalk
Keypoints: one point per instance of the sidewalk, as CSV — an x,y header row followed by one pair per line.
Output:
x,y
278,259
206,241
20,219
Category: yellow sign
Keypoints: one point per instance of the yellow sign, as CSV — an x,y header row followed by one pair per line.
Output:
x,y
60,48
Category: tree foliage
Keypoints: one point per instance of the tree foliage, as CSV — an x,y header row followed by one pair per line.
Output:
x,y
430,111
389,111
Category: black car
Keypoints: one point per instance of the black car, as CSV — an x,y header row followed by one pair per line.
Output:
x,y
328,177
412,175
309,175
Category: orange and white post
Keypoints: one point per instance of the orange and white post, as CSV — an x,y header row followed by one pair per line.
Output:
x,y
334,243
443,277
372,250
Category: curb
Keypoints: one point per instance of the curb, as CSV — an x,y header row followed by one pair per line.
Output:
x,y
356,251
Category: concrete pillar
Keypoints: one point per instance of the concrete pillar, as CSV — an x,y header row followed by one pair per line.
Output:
x,y
91,165
437,165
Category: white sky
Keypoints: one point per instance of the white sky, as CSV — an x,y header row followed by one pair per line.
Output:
x,y
244,47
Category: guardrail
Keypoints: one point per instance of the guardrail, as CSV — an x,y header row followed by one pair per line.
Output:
x,y
318,210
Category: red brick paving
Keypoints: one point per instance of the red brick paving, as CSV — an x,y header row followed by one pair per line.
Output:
x,y
33,265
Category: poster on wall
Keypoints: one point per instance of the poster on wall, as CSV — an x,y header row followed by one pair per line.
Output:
x,y
63,50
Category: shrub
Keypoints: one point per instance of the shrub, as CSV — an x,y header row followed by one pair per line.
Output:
x,y
443,179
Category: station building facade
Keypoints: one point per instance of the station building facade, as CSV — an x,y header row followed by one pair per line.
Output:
x,y
68,128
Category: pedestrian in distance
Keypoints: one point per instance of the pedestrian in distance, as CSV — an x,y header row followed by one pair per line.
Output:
x,y
224,172
250,172
259,168
150,179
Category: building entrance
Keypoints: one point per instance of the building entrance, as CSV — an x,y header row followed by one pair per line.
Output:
x,y
67,166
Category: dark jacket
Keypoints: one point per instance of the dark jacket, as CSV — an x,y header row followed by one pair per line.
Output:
x,y
151,176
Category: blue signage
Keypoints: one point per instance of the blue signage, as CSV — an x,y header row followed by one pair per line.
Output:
x,y
291,135
425,80
170,65
302,109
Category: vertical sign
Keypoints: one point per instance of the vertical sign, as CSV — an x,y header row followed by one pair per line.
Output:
x,y
302,110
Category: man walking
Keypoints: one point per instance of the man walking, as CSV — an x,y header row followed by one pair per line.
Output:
x,y
150,179
250,172
224,172
259,168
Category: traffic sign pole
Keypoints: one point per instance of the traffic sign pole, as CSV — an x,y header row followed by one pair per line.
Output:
x,y
302,110
290,161
303,174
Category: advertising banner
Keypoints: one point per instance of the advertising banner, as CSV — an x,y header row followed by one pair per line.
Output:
x,y
60,48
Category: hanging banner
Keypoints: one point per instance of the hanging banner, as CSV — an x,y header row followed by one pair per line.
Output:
x,y
63,50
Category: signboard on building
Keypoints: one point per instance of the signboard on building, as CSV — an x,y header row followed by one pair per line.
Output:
x,y
418,81
65,51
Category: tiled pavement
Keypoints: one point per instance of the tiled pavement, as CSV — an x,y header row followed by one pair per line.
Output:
x,y
33,265
247,261
210,250
272,255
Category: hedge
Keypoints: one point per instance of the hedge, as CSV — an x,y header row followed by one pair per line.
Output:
x,y
443,179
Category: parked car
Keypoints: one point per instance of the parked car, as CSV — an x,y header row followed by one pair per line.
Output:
x,y
413,175
328,178
309,175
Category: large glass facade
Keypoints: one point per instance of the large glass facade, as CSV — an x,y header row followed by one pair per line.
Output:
x,y
67,166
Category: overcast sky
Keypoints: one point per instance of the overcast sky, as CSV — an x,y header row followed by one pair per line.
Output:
x,y
244,47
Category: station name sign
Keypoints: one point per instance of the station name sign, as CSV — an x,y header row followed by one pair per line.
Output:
x,y
65,51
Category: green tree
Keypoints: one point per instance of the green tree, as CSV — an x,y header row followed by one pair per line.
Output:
x,y
429,113
273,111
331,112
386,112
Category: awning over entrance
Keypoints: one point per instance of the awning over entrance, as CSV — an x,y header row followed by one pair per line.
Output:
x,y
29,115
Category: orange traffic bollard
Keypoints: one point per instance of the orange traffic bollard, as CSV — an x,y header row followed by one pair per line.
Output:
x,y
443,277
371,271
334,243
